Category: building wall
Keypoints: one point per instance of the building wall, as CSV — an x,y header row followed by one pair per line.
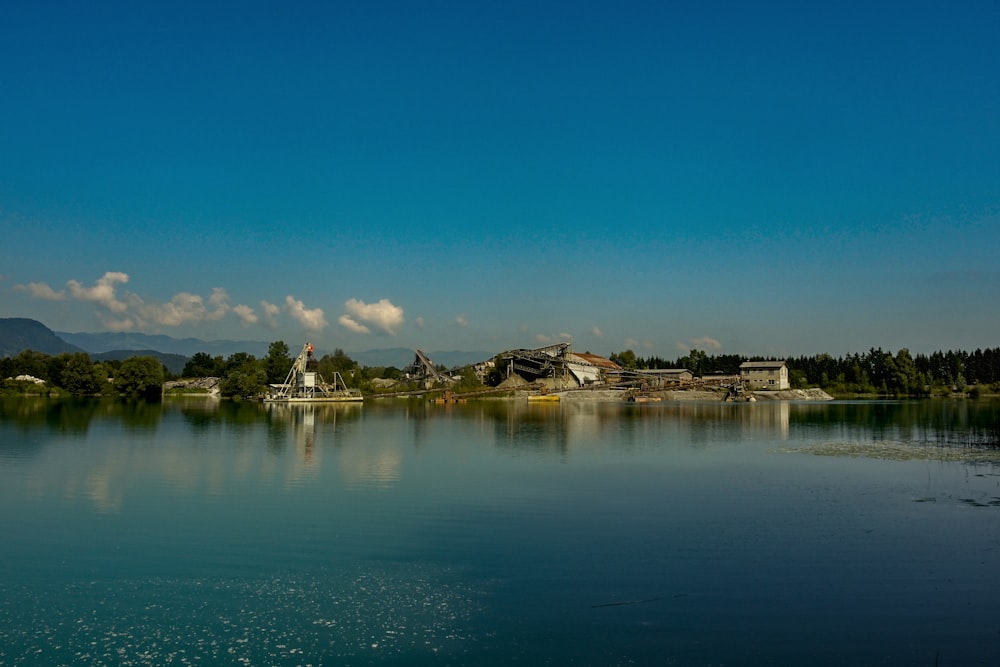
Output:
x,y
766,378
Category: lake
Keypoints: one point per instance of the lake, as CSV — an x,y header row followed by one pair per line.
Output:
x,y
194,532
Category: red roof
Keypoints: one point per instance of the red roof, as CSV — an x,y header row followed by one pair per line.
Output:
x,y
596,360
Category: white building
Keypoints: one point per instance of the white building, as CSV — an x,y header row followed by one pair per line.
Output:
x,y
765,375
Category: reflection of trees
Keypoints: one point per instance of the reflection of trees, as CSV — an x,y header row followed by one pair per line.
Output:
x,y
200,413
939,421
139,414
71,415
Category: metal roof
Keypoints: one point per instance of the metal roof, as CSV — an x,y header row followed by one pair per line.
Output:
x,y
750,365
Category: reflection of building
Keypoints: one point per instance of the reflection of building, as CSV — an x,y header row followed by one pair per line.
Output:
x,y
765,374
769,418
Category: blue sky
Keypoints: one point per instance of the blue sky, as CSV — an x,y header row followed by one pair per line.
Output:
x,y
757,178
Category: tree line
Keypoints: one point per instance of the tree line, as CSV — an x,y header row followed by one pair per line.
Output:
x,y
240,374
76,374
876,371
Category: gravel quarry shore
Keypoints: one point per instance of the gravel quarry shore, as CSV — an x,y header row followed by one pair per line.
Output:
x,y
813,394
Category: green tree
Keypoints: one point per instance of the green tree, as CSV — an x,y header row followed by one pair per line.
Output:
x,y
81,377
906,378
244,381
277,362
140,377
626,359
29,362
469,380
338,362
695,361
202,364
237,360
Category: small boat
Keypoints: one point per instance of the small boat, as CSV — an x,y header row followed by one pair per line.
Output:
x,y
543,398
643,399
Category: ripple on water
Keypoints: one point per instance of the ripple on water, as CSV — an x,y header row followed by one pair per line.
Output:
x,y
899,451
360,617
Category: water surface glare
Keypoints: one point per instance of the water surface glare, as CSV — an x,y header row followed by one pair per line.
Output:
x,y
401,532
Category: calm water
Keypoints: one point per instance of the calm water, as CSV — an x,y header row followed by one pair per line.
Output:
x,y
197,533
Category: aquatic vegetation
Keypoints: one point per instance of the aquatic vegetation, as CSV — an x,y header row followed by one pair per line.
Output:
x,y
900,451
307,619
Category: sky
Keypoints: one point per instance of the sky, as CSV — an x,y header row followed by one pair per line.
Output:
x,y
771,178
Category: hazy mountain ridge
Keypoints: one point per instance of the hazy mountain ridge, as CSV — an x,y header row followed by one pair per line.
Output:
x,y
174,362
96,343
18,334
404,356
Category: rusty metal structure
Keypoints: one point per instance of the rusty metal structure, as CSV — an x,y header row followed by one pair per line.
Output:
x,y
422,369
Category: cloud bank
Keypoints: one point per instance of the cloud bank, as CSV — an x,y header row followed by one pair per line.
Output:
x,y
103,291
312,320
120,310
42,291
362,317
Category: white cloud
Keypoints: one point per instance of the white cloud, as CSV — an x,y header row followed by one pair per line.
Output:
x,y
126,324
183,308
706,343
461,321
419,322
633,344
270,312
597,332
349,324
360,316
545,339
42,291
246,314
220,302
103,291
310,319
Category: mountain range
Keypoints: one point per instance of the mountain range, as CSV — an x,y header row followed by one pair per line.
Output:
x,y
18,334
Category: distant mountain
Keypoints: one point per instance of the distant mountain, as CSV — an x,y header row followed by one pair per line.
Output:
x,y
455,358
20,333
393,356
403,356
96,343
25,333
174,362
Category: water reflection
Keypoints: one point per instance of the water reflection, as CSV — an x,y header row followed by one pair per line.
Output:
x,y
592,533
203,447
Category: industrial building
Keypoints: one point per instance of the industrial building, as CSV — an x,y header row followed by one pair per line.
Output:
x,y
765,375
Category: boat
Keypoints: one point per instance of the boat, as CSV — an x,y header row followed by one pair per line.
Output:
x,y
304,384
543,398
